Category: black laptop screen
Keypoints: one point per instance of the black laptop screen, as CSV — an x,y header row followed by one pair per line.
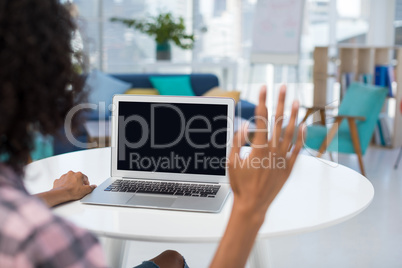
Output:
x,y
174,138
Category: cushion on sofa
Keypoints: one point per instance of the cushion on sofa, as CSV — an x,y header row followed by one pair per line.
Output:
x,y
172,85
142,91
218,92
200,83
101,89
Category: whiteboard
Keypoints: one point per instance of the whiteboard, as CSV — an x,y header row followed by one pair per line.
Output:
x,y
276,31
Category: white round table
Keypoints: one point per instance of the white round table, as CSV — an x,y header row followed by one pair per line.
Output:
x,y
317,195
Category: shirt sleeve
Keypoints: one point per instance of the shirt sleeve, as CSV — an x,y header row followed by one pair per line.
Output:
x,y
38,238
61,244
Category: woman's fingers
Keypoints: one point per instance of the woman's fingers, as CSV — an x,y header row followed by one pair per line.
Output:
x,y
288,138
279,117
239,140
85,179
261,121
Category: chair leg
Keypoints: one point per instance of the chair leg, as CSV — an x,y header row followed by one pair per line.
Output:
x,y
398,159
329,137
361,164
322,115
356,143
308,113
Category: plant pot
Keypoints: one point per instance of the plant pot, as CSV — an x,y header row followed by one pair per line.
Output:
x,y
163,51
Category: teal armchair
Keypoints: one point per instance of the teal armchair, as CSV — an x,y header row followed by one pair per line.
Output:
x,y
354,126
43,147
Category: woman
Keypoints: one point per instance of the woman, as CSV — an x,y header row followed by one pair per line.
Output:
x,y
38,86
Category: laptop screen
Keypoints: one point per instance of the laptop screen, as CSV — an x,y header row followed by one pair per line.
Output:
x,y
188,138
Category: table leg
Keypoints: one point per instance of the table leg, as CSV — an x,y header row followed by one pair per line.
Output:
x,y
398,159
260,255
115,250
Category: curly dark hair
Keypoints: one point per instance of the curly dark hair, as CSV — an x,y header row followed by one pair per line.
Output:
x,y
38,81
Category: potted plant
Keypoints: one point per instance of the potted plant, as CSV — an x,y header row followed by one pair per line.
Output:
x,y
163,28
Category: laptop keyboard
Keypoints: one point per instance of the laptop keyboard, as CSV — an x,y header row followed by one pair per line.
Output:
x,y
167,188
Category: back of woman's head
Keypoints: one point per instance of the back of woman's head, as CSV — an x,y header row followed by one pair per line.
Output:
x,y
38,84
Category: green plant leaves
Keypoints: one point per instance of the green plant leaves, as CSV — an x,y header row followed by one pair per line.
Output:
x,y
162,28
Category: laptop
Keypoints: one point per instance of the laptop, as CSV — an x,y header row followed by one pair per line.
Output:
x,y
168,152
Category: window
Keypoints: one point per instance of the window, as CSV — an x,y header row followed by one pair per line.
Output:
x,y
352,26
223,30
217,25
115,48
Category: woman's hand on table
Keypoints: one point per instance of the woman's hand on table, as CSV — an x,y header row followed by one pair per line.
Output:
x,y
69,187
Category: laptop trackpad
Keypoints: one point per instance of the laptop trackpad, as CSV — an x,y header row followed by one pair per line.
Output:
x,y
151,201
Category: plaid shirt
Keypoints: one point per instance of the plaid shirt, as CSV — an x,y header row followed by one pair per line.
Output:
x,y
31,236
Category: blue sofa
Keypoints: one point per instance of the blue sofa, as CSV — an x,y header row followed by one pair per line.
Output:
x,y
200,83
